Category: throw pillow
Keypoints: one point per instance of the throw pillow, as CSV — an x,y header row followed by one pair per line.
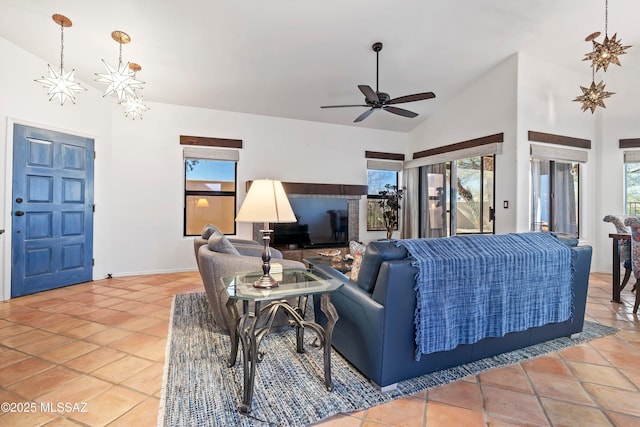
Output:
x,y
356,247
208,230
219,243
355,266
356,250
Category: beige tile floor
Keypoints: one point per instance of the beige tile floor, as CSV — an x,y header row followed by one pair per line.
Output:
x,y
102,344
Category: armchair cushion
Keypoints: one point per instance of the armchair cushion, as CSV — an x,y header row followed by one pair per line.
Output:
x,y
219,243
208,230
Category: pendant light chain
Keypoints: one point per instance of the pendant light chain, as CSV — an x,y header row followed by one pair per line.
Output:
x,y
606,17
61,48
120,56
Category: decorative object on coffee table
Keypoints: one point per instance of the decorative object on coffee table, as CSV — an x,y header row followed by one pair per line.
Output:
x,y
266,202
390,205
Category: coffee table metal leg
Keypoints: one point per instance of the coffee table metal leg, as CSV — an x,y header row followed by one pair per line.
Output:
x,y
332,317
232,309
302,305
249,354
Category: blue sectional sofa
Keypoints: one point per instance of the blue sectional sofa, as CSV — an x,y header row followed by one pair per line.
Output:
x,y
376,330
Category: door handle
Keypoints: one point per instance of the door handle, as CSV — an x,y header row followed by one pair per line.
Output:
x,y
19,213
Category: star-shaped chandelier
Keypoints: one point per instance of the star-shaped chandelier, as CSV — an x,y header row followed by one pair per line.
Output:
x,y
62,85
133,105
593,96
608,51
120,80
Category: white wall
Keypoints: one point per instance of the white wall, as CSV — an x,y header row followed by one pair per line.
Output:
x,y
486,107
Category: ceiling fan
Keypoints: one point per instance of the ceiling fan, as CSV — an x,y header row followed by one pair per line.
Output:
x,y
381,100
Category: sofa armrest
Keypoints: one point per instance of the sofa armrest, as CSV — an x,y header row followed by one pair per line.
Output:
x,y
358,334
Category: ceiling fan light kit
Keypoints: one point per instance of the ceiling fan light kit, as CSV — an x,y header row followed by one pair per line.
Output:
x,y
376,100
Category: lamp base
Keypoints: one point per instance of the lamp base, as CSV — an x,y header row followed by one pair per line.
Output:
x,y
266,282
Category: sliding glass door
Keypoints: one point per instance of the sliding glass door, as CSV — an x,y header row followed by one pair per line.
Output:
x,y
458,197
554,193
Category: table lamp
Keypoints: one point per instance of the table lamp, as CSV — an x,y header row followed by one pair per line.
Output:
x,y
266,202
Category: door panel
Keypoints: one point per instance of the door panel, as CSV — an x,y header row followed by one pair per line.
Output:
x,y
52,226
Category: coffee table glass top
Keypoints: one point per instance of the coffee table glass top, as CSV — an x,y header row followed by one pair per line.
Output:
x,y
340,263
293,283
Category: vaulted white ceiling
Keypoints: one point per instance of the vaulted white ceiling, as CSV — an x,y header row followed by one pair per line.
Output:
x,y
286,58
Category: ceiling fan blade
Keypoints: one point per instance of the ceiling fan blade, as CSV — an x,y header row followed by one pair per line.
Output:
x,y
340,106
400,111
364,115
411,98
369,93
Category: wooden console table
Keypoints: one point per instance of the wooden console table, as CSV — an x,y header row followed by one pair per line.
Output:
x,y
615,286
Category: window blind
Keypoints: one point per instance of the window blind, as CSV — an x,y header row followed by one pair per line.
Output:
x,y
632,156
544,152
381,165
210,154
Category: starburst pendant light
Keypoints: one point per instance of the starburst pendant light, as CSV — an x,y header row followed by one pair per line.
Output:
x,y
133,106
608,51
62,85
593,96
121,80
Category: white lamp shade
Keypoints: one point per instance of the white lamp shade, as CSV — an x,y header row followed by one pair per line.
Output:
x,y
266,201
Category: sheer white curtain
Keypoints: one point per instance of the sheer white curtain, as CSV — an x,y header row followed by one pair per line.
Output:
x,y
411,208
564,203
433,212
559,213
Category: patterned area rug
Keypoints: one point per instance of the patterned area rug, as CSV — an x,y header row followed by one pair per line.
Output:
x,y
199,389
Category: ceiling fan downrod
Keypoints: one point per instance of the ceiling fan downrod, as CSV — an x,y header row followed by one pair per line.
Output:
x,y
377,47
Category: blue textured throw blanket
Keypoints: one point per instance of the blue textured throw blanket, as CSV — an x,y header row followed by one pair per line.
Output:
x,y
473,287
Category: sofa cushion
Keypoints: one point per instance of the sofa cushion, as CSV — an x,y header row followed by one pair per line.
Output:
x,y
375,254
208,230
219,243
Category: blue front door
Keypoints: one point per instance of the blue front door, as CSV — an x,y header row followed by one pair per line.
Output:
x,y
52,210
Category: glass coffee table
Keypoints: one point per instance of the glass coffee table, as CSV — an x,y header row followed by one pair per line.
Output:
x,y
296,285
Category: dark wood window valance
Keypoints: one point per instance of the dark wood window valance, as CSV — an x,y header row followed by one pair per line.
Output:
x,y
329,189
383,156
550,138
630,143
485,140
210,142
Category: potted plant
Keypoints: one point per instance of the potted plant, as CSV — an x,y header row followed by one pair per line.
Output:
x,y
390,204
